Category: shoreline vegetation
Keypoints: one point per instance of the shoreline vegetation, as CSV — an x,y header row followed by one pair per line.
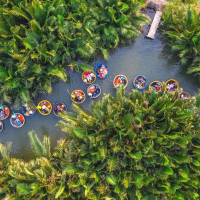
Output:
x,y
38,39
181,24
143,146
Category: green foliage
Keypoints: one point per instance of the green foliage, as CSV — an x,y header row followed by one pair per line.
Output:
x,y
39,38
181,23
185,1
40,150
144,146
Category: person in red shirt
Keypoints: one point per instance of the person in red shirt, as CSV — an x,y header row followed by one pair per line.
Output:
x,y
21,118
117,81
6,110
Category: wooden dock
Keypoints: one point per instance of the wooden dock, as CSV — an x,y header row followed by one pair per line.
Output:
x,y
154,25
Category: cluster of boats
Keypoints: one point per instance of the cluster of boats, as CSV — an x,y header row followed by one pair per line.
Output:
x,y
18,120
78,96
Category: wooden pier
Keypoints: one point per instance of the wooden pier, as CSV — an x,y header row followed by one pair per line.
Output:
x,y
154,25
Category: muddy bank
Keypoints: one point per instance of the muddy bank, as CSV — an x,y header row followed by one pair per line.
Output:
x,y
157,5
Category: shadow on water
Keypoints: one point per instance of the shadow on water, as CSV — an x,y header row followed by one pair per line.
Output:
x,y
143,56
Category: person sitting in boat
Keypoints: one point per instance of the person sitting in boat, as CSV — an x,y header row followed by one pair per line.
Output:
x,y
157,87
15,119
117,81
78,96
21,118
45,108
184,96
141,82
97,90
28,110
4,111
62,107
91,90
14,116
102,71
18,121
169,86
174,86
137,86
2,115
123,80
55,109
90,77
73,96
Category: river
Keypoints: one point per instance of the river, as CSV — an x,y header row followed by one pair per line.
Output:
x,y
148,57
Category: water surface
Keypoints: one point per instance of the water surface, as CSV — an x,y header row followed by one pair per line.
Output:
x,y
144,56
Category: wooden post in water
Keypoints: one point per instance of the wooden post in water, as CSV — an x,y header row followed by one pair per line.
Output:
x,y
154,25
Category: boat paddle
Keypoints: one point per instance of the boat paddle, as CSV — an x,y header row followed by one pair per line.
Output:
x,y
68,92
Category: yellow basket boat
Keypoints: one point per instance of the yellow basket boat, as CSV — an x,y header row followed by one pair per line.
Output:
x,y
171,85
78,96
88,77
44,107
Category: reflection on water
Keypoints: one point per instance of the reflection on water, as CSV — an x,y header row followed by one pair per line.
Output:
x,y
144,56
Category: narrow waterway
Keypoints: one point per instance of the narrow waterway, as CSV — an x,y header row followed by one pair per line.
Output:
x,y
144,56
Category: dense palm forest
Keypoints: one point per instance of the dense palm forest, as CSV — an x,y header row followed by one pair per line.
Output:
x,y
144,146
38,39
181,22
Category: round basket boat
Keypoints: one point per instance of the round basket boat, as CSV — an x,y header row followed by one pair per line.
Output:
x,y
59,108
88,77
140,82
78,96
17,120
4,112
184,96
155,85
101,70
44,107
28,111
1,126
93,91
120,79
171,85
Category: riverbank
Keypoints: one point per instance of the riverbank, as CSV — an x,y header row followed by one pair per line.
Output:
x,y
157,5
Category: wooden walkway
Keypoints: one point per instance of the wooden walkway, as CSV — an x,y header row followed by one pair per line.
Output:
x,y
154,25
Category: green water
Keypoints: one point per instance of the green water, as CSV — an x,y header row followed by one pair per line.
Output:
x,y
144,56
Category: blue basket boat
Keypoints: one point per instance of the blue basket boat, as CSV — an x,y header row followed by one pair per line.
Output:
x,y
59,108
94,91
102,70
140,82
28,111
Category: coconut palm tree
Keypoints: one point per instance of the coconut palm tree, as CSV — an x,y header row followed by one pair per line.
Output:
x,y
181,23
142,146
